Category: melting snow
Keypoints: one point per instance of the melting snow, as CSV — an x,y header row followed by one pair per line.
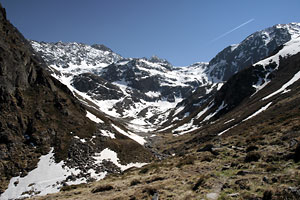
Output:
x,y
131,135
283,88
290,48
42,180
107,133
259,111
227,130
261,83
112,156
234,46
152,94
93,117
185,128
213,114
48,175
220,85
170,126
81,140
228,121
204,111
178,110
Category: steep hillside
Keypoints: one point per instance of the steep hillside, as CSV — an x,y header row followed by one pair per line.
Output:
x,y
40,116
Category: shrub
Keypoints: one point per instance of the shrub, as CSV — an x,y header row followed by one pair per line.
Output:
x,y
297,154
72,187
267,195
147,168
252,156
151,191
144,170
188,160
251,148
199,182
271,168
102,188
134,182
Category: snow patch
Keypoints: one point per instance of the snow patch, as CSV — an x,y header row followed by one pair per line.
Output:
x,y
228,121
107,133
213,114
203,111
295,78
152,94
42,180
227,130
290,48
259,111
178,110
112,156
185,128
234,46
131,135
93,117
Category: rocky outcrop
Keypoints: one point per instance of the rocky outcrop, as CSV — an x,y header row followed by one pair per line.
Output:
x,y
68,54
96,86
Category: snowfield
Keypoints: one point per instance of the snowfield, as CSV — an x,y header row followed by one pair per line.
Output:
x,y
44,179
283,89
93,117
48,176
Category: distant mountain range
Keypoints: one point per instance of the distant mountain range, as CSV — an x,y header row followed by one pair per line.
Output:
x,y
144,91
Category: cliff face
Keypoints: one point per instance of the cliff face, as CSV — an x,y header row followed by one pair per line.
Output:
x,y
36,110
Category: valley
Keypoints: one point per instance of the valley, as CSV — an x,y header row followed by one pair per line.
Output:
x,y
80,121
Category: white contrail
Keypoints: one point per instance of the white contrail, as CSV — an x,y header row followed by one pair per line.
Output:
x,y
223,35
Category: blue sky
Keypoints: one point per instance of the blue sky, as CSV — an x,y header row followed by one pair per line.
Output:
x,y
181,31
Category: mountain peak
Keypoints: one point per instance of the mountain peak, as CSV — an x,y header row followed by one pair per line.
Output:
x,y
101,47
156,59
66,54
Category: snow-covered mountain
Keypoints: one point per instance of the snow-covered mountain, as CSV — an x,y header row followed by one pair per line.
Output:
x,y
66,55
255,47
140,90
151,92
